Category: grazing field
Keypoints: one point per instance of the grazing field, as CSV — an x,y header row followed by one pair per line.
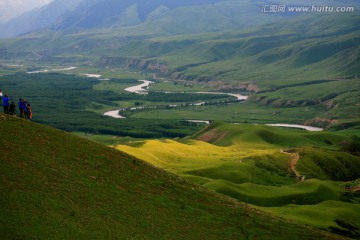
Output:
x,y
243,160
58,185
339,217
247,162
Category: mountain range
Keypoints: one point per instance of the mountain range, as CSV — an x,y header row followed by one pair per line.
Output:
x,y
191,40
89,14
64,15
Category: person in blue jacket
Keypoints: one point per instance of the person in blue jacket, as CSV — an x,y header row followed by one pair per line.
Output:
x,y
6,104
22,107
1,96
25,109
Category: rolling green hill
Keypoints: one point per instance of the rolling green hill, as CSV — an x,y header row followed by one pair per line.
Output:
x,y
224,134
269,167
305,65
57,185
302,48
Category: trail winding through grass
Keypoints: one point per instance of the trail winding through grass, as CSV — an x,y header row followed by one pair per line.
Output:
x,y
294,158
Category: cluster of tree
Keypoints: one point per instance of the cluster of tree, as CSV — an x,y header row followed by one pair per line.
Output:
x,y
182,97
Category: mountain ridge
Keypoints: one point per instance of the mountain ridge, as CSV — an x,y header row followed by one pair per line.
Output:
x,y
109,13
36,19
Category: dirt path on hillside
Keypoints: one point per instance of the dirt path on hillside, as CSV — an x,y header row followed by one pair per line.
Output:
x,y
355,189
294,158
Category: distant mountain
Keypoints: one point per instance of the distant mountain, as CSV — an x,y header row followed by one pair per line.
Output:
x,y
207,38
307,47
185,15
11,8
174,16
37,19
106,13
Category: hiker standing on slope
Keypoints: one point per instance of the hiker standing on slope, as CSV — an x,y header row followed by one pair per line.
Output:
x,y
29,111
1,96
22,107
12,108
25,109
6,104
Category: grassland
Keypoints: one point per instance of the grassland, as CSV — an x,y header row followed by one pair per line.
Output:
x,y
334,100
75,103
57,185
324,215
244,161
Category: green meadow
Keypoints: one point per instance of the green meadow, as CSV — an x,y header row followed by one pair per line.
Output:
x,y
56,185
325,215
245,162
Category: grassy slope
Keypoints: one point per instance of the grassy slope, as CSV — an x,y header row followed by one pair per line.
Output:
x,y
246,164
300,48
321,215
57,185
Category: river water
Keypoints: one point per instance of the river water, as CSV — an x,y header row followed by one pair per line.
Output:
x,y
139,88
142,88
308,128
53,70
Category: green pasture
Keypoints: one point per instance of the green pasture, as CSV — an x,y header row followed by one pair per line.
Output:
x,y
109,140
328,164
262,135
308,192
172,85
58,185
244,161
335,216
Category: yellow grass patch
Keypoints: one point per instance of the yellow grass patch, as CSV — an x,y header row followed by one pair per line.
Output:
x,y
180,157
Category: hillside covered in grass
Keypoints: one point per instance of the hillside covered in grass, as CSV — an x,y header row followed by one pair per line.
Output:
x,y
57,185
272,168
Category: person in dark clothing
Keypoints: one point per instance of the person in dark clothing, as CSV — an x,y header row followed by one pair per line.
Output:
x,y
6,104
12,108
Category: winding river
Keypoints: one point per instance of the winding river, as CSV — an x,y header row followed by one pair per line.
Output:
x,y
308,128
143,88
139,88
52,70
